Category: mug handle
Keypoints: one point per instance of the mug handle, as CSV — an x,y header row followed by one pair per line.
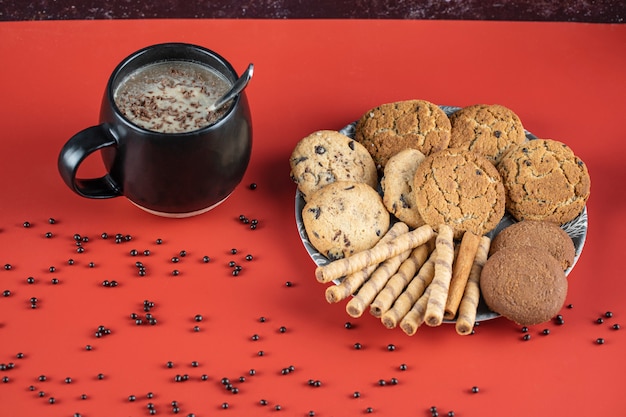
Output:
x,y
74,153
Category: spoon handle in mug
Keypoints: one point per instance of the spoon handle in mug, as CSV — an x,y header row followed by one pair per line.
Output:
x,y
236,88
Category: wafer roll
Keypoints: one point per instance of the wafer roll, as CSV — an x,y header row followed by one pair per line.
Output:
x,y
345,266
443,274
400,279
357,305
415,317
411,293
469,303
350,284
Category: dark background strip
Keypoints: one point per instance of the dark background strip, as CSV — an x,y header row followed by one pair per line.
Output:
x,y
599,11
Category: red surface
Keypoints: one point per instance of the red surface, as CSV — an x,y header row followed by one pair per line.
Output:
x,y
566,82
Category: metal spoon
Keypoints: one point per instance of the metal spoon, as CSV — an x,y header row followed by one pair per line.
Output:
x,y
237,87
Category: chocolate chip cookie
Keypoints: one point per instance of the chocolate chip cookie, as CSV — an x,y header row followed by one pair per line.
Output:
x,y
544,180
397,186
490,130
459,188
327,156
389,128
345,217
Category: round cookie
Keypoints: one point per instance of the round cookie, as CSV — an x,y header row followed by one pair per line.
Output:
x,y
526,285
546,236
397,186
389,128
344,218
327,156
461,189
544,180
488,129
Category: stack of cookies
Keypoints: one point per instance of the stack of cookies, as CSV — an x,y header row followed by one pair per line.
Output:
x,y
403,211
524,278
337,178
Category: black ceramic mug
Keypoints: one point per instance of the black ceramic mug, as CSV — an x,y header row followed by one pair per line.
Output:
x,y
176,174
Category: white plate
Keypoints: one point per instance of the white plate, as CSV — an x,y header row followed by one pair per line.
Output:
x,y
576,229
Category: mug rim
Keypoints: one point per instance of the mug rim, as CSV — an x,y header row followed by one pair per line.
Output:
x,y
110,90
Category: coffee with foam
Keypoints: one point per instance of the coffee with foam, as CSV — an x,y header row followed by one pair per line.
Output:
x,y
171,96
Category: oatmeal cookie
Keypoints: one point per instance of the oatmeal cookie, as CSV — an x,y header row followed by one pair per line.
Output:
x,y
345,217
397,186
544,180
389,128
526,285
490,130
327,156
459,188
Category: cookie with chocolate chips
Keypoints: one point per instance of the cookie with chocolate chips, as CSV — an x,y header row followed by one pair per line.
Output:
x,y
389,128
459,188
544,180
345,217
326,156
488,129
397,186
